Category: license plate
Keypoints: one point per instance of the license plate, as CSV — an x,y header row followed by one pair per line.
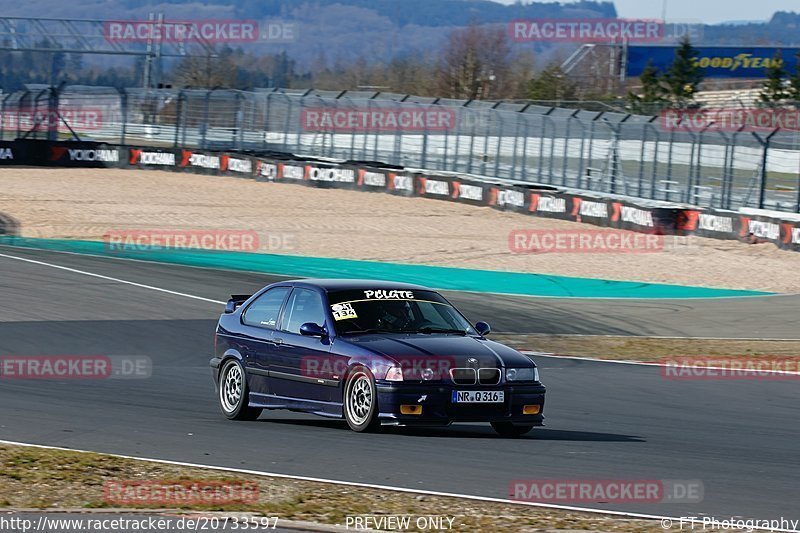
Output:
x,y
477,396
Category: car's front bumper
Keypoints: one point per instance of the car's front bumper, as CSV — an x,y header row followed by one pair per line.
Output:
x,y
438,407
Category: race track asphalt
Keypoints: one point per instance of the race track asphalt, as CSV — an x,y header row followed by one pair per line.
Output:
x,y
604,421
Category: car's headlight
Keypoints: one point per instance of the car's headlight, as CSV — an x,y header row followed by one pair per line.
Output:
x,y
394,374
522,374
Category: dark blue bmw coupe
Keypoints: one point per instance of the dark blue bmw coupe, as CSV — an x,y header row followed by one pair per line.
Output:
x,y
374,353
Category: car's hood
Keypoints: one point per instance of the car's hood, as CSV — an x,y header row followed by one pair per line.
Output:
x,y
455,347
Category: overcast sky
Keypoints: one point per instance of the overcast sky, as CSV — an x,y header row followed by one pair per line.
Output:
x,y
709,11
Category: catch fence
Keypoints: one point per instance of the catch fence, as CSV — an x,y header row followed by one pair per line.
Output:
x,y
599,150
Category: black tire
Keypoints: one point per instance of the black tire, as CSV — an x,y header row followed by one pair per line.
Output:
x,y
233,393
360,400
507,429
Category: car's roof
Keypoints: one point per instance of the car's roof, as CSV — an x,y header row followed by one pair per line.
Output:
x,y
333,285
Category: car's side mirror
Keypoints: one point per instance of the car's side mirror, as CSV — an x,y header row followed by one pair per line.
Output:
x,y
311,329
235,301
483,328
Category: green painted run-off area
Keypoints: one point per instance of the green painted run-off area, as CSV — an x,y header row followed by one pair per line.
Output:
x,y
488,281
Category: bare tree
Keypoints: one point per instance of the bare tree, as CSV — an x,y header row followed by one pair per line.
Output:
x,y
475,63
217,71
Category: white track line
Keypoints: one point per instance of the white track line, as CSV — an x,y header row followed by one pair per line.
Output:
x,y
379,487
109,278
592,359
657,337
661,365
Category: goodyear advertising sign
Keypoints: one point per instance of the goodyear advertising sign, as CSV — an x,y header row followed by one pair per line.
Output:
x,y
716,61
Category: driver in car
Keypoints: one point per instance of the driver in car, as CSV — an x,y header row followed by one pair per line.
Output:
x,y
395,315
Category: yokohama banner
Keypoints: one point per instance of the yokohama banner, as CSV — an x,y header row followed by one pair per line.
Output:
x,y
9,153
747,227
625,213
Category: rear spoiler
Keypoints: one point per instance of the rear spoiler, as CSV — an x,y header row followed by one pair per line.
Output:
x,y
235,301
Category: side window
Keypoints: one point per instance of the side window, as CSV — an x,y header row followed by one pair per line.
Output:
x,y
264,311
303,306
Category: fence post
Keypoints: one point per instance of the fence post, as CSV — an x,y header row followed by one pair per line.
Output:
x,y
3,116
519,117
541,141
797,189
640,180
669,159
52,114
486,134
472,137
567,136
582,127
690,170
204,126
178,111
425,135
287,122
613,156
698,170
764,154
36,121
351,104
123,108
654,173
500,136
266,120
446,134
238,140
23,98
551,159
729,174
525,149
591,149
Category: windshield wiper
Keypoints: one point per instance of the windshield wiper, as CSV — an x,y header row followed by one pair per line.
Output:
x,y
429,329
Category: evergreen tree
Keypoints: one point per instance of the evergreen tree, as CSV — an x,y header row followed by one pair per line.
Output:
x,y
653,92
794,83
773,90
684,75
552,84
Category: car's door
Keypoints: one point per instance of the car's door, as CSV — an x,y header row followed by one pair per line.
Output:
x,y
299,367
259,322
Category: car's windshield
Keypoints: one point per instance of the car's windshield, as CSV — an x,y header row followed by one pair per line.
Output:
x,y
396,311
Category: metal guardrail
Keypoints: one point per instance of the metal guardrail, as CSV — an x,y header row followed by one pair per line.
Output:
x,y
604,151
